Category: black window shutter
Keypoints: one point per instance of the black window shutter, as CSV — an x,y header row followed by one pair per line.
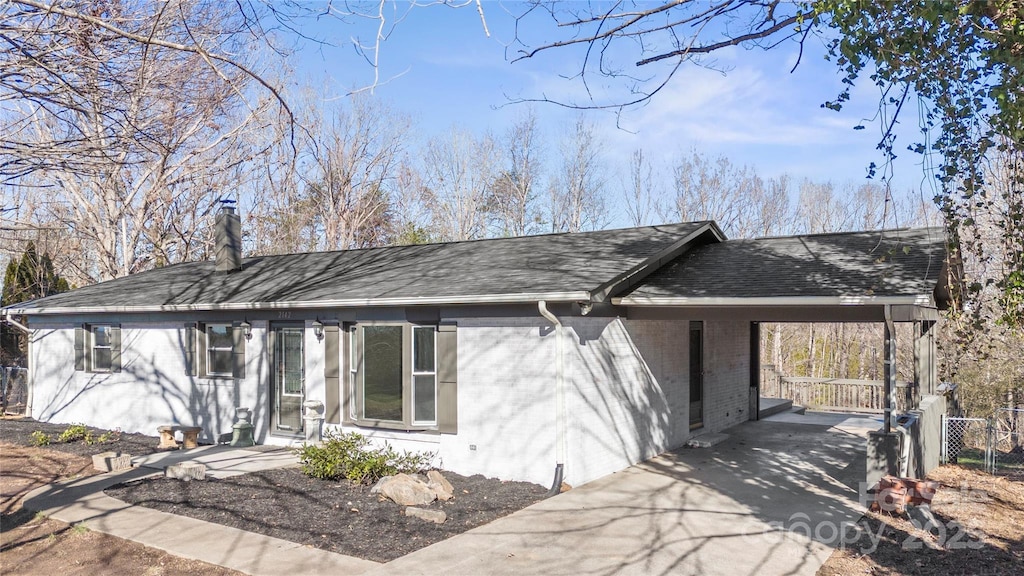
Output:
x,y
201,354
115,348
79,348
237,350
190,349
332,373
447,379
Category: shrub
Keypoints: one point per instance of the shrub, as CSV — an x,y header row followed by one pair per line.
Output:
x,y
40,438
74,433
351,456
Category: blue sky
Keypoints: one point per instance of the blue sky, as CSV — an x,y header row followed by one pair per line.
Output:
x,y
440,67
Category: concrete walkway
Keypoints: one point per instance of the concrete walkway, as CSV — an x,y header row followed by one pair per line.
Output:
x,y
83,500
221,461
768,500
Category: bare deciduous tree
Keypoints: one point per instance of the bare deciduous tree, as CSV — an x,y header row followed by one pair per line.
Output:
x,y
642,200
513,200
577,189
356,157
134,140
459,170
742,203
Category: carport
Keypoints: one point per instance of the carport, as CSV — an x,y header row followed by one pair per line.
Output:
x,y
889,277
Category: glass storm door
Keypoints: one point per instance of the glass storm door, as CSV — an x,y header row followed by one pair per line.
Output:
x,y
696,374
288,379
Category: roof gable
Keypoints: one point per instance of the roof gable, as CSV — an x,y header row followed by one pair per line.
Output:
x,y
903,263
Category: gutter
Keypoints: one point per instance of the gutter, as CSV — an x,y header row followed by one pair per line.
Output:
x,y
525,298
918,300
556,484
5,317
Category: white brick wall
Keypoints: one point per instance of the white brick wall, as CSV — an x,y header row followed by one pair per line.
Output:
x,y
726,374
506,403
626,398
151,389
626,380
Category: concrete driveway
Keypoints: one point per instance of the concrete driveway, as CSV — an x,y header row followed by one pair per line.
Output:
x,y
772,499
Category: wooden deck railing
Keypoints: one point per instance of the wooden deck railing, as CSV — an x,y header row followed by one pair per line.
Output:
x,y
831,394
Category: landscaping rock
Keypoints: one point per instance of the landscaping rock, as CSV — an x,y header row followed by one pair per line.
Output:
x,y
111,461
186,471
440,485
435,516
405,490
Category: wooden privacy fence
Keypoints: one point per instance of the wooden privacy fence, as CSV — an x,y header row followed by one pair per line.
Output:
x,y
832,394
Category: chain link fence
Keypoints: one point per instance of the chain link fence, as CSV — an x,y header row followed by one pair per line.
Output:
x,y
995,445
1008,442
13,390
965,441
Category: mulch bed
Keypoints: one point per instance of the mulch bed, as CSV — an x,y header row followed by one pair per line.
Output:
x,y
336,516
19,431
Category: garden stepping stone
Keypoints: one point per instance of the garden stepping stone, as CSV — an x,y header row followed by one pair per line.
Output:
x,y
435,516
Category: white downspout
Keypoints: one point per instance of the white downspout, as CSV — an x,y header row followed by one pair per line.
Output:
x,y
15,323
556,484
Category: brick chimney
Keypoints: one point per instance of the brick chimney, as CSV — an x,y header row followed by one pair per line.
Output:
x,y
228,238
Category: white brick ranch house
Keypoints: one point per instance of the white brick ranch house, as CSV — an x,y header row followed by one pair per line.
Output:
x,y
594,350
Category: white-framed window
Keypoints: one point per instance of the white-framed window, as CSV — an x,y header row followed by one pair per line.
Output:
x,y
393,371
101,347
219,346
424,375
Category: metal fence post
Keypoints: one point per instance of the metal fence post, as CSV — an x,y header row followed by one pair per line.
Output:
x,y
943,452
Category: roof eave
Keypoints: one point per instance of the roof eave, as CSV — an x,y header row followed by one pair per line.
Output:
x,y
522,298
924,300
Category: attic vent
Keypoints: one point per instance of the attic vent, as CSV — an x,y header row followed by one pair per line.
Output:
x,y
228,238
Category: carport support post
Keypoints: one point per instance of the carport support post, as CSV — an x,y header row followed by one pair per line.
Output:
x,y
925,373
888,367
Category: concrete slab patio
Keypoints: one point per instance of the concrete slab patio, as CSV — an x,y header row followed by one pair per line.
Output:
x,y
745,506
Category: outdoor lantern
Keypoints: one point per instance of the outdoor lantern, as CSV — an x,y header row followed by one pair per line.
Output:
x,y
246,329
318,329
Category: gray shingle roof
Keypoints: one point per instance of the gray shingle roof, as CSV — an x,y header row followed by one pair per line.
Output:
x,y
891,263
504,269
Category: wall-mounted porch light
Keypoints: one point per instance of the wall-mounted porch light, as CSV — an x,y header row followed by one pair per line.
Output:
x,y
318,329
246,329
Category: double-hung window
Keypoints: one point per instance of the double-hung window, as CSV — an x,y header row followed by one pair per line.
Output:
x,y
101,347
215,350
424,375
394,375
219,346
98,348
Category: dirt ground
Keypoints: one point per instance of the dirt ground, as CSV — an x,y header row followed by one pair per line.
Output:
x,y
981,531
31,544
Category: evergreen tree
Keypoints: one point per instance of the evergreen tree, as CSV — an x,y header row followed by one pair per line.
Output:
x,y
27,278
